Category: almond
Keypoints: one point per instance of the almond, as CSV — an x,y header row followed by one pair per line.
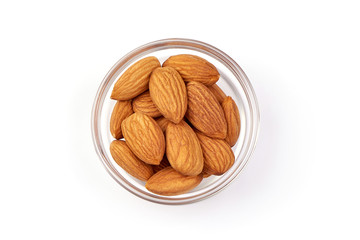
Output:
x,y
144,104
232,117
193,68
135,80
218,156
163,164
218,93
168,92
163,123
144,137
183,149
125,158
169,182
122,110
206,174
204,111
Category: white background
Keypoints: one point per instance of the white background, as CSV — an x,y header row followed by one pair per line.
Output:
x,y
302,58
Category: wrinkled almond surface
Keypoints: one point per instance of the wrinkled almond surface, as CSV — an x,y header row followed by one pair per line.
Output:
x,y
168,92
122,110
144,137
193,68
163,164
232,117
124,157
218,93
206,174
135,80
204,111
163,123
183,149
169,182
144,104
218,156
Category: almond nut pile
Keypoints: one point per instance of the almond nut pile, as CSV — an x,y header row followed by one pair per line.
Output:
x,y
178,125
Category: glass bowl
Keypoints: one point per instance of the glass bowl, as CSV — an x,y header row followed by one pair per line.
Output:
x,y
234,83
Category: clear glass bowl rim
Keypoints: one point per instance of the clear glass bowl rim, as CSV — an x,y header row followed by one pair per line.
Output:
x,y
184,44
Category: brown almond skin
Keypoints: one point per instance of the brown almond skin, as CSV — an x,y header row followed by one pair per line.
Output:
x,y
183,149
232,117
122,110
144,137
204,111
126,159
163,123
206,174
169,182
218,93
135,80
144,104
218,156
193,68
163,164
168,92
